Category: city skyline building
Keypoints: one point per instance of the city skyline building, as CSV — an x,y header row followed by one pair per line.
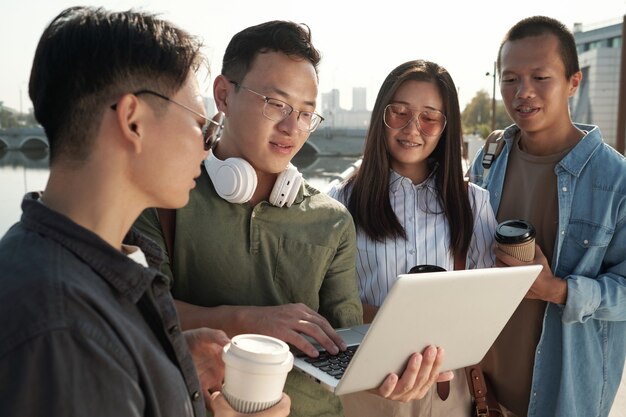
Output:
x,y
359,98
337,117
330,101
599,55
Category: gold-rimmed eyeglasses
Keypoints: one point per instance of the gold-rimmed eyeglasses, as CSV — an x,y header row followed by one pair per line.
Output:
x,y
429,122
210,130
278,110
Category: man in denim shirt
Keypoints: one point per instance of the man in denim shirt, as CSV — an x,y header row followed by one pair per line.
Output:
x,y
562,353
87,328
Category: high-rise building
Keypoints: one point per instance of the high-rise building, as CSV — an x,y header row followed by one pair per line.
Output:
x,y
330,101
359,95
599,55
336,117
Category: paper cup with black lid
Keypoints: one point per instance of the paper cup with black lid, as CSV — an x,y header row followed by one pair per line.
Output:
x,y
517,238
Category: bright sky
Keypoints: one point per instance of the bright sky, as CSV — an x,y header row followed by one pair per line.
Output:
x,y
361,42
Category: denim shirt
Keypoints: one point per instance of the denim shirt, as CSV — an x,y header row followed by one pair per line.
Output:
x,y
580,357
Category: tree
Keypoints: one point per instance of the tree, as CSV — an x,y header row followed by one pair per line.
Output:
x,y
476,117
12,118
7,117
28,119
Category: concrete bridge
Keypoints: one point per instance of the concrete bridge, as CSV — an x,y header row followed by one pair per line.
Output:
x,y
329,141
324,142
23,138
29,158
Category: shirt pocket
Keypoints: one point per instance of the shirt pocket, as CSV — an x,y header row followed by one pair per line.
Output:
x,y
584,245
300,271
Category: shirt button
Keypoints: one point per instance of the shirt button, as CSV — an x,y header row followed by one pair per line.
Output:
x,y
586,242
253,215
195,396
564,189
562,232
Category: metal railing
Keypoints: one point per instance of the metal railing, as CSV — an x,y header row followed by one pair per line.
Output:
x,y
344,175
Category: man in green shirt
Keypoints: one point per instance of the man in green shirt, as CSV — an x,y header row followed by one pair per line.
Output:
x,y
257,250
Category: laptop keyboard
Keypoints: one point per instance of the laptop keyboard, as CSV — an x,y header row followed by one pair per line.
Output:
x,y
333,365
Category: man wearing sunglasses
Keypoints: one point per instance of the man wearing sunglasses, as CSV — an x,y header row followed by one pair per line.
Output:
x,y
87,327
257,250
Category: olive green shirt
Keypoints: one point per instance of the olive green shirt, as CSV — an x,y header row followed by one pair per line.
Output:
x,y
239,254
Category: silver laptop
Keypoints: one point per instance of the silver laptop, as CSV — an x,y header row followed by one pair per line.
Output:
x,y
461,311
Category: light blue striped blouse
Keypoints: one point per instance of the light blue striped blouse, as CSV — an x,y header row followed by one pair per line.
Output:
x,y
428,241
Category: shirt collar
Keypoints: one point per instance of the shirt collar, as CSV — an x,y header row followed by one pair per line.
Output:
x,y
577,158
579,155
396,180
121,272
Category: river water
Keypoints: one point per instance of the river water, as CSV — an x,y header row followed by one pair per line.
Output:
x,y
21,172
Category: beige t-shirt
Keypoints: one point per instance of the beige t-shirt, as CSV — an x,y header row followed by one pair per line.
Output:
x,y
529,193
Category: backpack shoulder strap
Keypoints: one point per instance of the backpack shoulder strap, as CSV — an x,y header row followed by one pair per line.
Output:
x,y
167,218
493,146
443,388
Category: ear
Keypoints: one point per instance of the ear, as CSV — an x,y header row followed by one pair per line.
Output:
x,y
221,88
575,82
130,116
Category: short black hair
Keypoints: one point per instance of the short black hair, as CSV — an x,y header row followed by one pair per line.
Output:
x,y
543,25
283,36
88,57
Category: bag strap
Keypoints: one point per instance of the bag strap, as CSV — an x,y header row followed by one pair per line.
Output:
x,y
484,399
443,388
167,218
493,146
485,402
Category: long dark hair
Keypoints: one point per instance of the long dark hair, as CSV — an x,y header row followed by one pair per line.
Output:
x,y
368,188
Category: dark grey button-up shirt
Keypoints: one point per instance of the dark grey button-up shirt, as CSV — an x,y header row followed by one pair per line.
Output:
x,y
84,330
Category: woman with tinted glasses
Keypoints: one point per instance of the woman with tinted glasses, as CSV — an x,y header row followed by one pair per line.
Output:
x,y
411,206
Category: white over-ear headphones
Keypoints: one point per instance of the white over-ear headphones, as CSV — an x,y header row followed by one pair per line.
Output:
x,y
235,180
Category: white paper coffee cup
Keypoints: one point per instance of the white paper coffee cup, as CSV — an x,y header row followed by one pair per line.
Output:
x,y
255,373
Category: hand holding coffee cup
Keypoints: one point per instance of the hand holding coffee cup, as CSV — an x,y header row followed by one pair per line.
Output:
x,y
516,238
255,372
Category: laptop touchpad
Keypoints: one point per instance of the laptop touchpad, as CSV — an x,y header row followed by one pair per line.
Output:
x,y
353,335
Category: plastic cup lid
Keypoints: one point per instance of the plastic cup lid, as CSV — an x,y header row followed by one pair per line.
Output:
x,y
259,348
514,231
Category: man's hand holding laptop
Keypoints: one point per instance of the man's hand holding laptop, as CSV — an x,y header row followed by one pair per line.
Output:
x,y
421,372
